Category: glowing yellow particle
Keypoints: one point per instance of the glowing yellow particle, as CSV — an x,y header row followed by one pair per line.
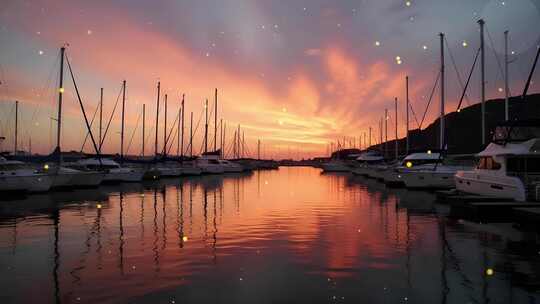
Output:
x,y
408,3
489,272
46,167
185,238
428,151
464,43
61,90
98,206
408,164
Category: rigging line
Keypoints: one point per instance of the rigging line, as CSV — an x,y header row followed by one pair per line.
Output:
x,y
414,114
88,133
468,78
133,133
110,118
166,143
82,108
174,136
501,73
429,101
194,132
460,81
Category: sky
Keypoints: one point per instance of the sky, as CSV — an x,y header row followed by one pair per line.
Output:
x,y
296,75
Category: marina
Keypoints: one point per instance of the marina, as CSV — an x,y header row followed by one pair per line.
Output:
x,y
256,151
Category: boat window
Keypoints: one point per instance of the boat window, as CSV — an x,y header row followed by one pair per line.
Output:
x,y
488,163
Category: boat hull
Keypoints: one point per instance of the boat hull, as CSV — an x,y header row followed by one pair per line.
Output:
x,y
502,186
428,179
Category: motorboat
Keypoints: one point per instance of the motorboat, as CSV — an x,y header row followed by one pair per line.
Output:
x,y
366,162
415,160
16,176
509,167
70,175
114,172
209,163
435,172
336,165
230,167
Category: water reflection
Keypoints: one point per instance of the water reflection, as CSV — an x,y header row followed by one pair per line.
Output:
x,y
291,235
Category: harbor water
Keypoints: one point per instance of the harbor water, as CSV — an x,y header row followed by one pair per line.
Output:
x,y
292,235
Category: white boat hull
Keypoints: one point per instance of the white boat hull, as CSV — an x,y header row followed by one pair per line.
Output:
x,y
87,179
495,186
123,176
428,179
191,170
31,183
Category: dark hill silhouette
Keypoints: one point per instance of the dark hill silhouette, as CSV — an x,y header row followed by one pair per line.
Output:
x,y
464,128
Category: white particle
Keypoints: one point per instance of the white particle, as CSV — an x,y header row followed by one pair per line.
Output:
x,y
406,299
40,52
339,25
377,43
276,26
411,18
500,89
408,3
464,43
424,47
241,279
262,26
89,32
513,52
207,54
39,33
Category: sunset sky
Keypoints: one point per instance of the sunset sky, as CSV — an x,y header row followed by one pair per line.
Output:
x,y
295,74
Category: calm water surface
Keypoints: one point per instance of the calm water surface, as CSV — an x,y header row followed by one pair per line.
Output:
x,y
291,235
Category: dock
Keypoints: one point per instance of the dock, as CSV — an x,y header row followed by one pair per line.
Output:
x,y
490,209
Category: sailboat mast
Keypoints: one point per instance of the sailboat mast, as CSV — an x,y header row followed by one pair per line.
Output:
x,y
178,126
100,119
482,80
506,88
396,148
369,137
157,120
165,130
258,149
385,132
407,118
223,139
123,116
16,127
191,136
441,120
182,131
143,126
215,120
206,127
60,95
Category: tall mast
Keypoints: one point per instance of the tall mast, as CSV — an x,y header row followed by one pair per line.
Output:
x,y
182,131
441,120
223,139
178,126
16,127
157,120
238,142
165,130
243,144
123,115
397,152
407,119
258,149
215,120
100,119
60,95
206,127
506,88
369,137
482,80
143,126
385,132
191,136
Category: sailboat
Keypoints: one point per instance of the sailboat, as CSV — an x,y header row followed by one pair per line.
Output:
x,y
366,162
16,176
210,161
